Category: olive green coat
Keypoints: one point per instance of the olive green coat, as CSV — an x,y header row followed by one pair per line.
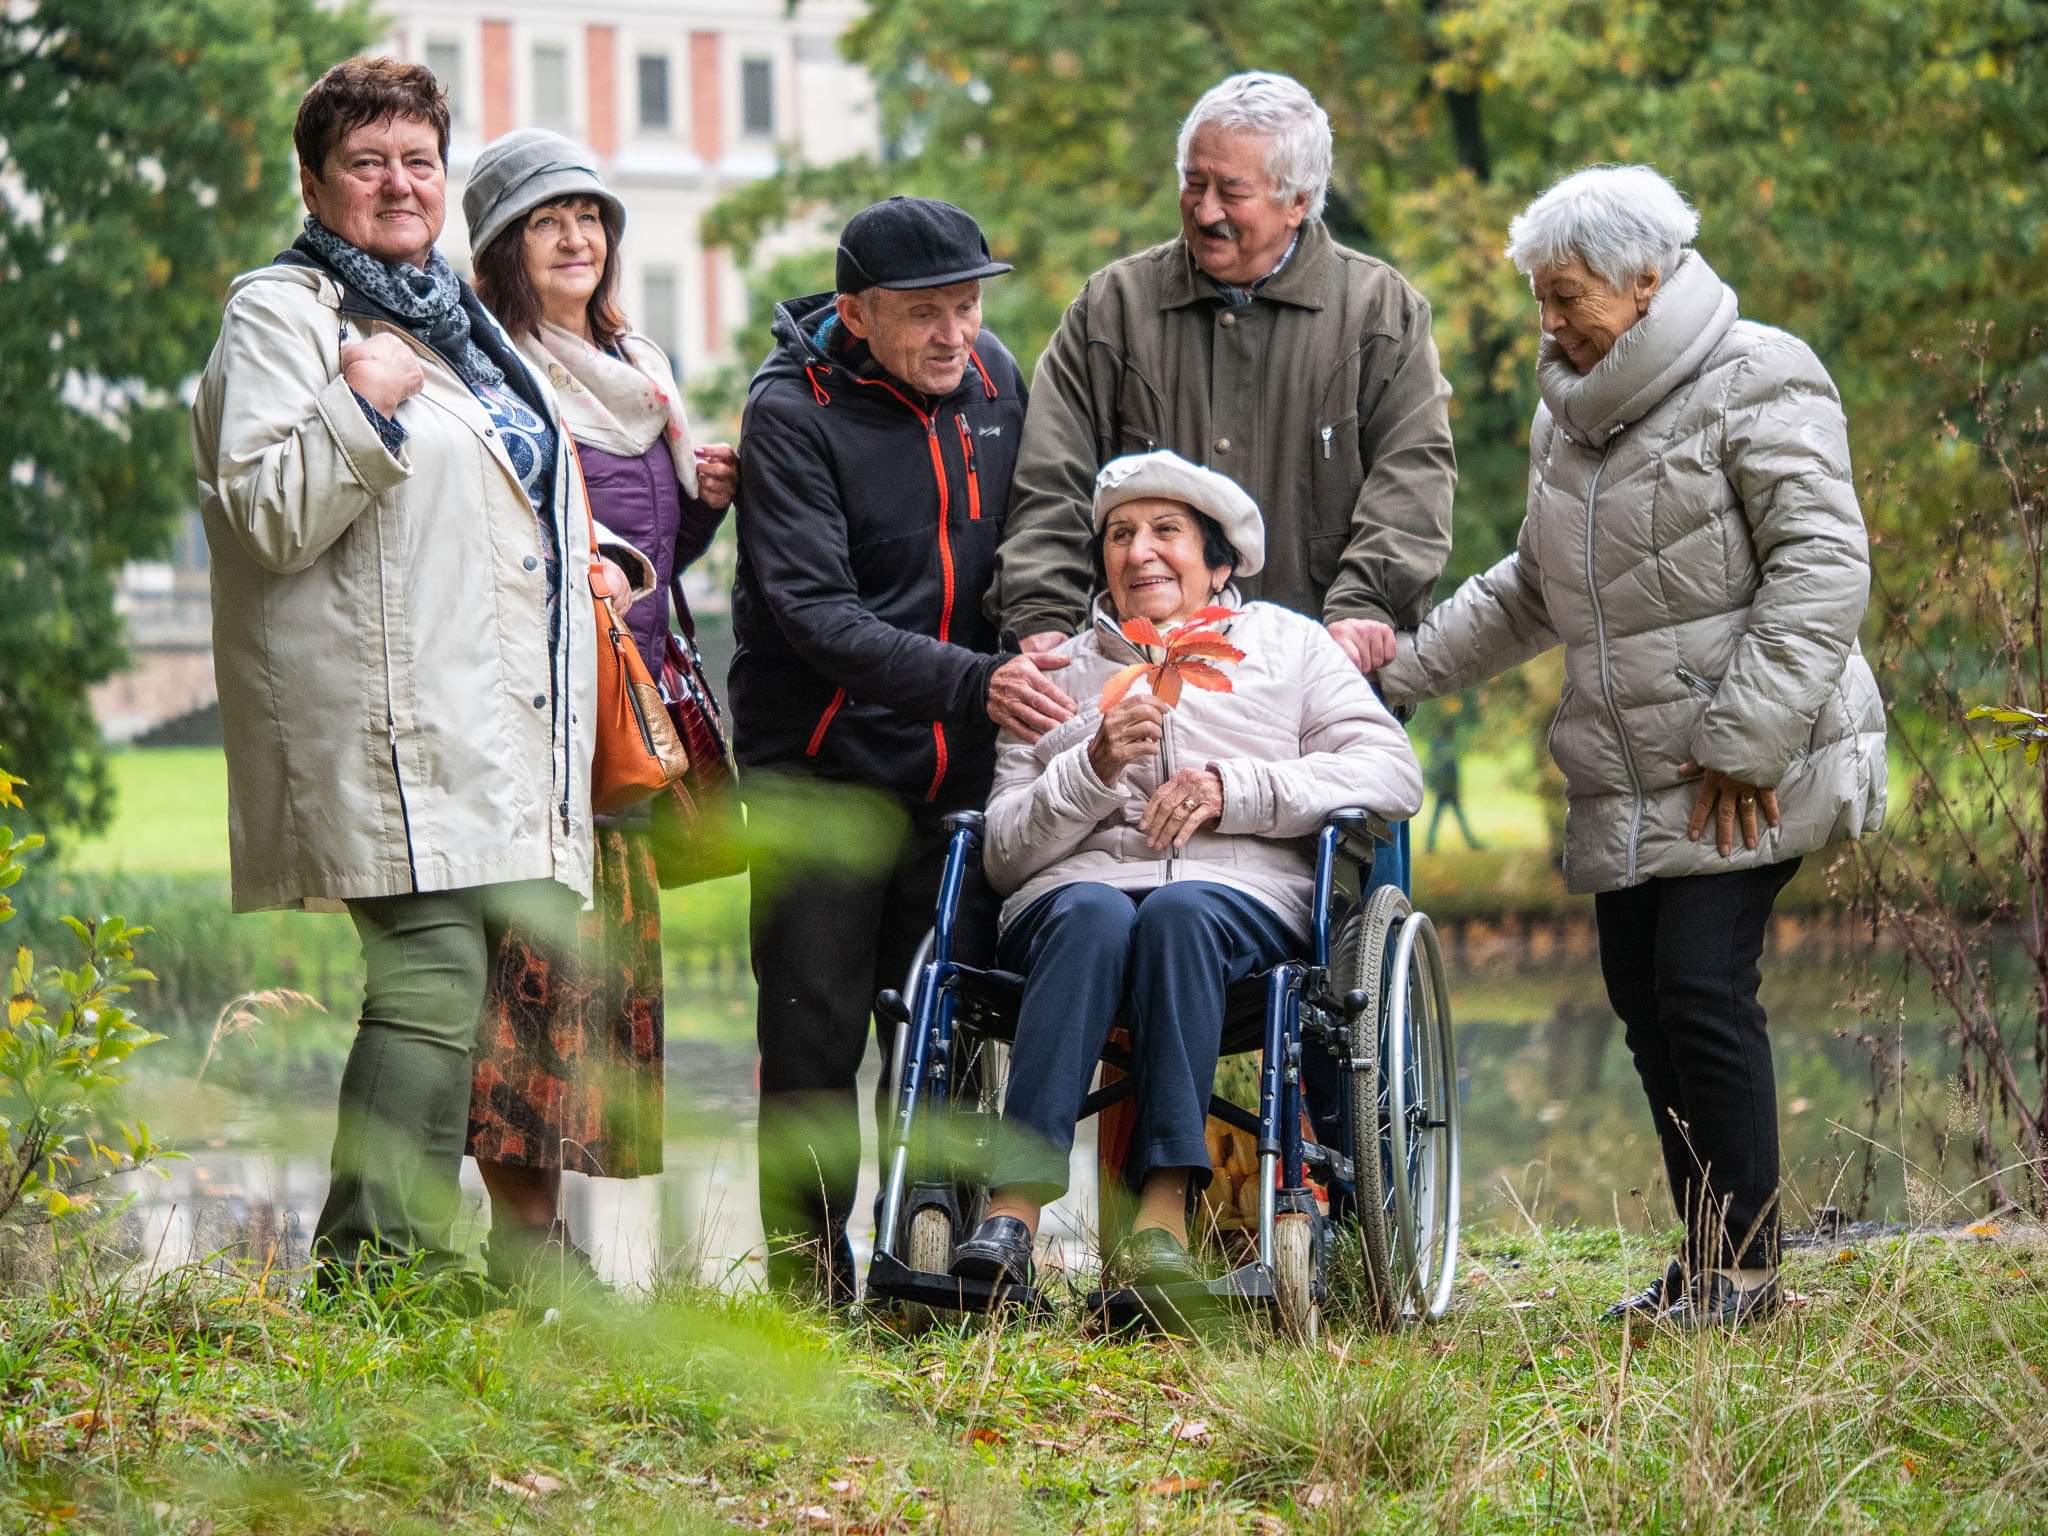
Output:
x,y
1322,397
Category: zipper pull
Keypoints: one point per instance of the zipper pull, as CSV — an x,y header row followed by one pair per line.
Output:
x,y
565,818
1328,433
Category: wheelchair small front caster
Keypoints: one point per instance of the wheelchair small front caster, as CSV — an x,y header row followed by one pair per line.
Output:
x,y
1294,1277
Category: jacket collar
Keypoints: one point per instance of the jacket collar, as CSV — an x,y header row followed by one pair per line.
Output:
x,y
1304,282
1690,314
1109,635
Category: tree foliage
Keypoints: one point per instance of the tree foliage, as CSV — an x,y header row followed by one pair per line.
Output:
x,y
147,155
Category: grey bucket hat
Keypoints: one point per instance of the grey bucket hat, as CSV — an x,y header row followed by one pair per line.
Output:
x,y
515,174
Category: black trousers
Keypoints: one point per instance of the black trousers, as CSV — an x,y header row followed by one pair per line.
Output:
x,y
1680,960
824,944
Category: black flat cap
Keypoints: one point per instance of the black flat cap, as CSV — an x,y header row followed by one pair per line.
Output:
x,y
912,242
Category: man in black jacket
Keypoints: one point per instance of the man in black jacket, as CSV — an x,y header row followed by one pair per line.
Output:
x,y
875,460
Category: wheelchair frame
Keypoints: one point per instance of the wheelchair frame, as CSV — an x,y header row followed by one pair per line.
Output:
x,y
1405,1053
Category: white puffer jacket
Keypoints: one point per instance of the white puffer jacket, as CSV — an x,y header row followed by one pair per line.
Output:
x,y
1693,539
1300,735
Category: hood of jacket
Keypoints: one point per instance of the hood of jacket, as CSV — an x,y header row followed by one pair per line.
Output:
x,y
1687,318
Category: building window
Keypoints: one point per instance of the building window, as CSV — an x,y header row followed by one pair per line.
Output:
x,y
661,313
551,86
444,58
757,98
654,111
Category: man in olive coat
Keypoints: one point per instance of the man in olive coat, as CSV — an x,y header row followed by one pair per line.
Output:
x,y
1258,346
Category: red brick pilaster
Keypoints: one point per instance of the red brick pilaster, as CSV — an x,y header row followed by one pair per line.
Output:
x,y
497,78
601,66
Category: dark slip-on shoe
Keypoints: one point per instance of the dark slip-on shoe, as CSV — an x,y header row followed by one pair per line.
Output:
x,y
998,1251
1152,1256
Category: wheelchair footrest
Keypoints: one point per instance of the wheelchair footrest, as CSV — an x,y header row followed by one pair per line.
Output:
x,y
891,1279
1183,1307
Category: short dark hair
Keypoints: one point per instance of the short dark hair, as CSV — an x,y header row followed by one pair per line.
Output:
x,y
502,283
1216,549
359,91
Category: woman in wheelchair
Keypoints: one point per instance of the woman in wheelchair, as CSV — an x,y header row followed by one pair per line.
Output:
x,y
1154,854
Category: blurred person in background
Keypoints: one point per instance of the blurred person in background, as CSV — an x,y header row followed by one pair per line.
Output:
x,y
569,1067
1693,540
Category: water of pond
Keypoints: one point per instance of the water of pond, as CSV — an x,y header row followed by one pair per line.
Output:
x,y
1555,1129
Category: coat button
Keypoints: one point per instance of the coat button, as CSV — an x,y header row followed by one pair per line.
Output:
x,y
1223,445
1228,320
530,562
540,701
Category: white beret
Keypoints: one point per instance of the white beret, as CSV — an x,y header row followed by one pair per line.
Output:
x,y
1170,477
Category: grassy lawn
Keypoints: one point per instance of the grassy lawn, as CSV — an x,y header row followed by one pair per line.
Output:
x,y
1903,1392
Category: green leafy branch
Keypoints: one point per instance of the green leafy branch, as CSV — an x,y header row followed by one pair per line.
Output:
x,y
2032,723
63,1055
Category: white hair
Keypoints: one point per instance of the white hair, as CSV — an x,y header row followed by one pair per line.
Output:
x,y
1620,220
1280,109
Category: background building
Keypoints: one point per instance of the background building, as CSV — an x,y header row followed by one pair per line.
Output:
x,y
680,101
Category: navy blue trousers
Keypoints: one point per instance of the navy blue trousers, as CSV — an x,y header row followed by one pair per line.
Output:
x,y
1087,951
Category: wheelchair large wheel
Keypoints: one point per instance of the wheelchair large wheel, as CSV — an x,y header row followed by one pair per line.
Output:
x,y
1421,1093
1359,963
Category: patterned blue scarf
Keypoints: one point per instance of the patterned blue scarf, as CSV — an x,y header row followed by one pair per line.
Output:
x,y
429,301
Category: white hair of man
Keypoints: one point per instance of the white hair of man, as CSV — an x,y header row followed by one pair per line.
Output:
x,y
1280,110
1620,220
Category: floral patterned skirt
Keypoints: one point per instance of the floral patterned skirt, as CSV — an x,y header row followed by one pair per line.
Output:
x,y
569,1057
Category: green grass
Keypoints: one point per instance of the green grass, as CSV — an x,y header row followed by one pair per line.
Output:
x,y
1903,1393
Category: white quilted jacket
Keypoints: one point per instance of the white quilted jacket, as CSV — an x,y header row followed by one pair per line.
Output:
x,y
1693,539
1301,734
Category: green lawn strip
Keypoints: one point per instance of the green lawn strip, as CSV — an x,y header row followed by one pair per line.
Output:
x,y
1902,1392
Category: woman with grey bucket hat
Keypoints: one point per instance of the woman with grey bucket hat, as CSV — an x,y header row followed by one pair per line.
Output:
x,y
569,1066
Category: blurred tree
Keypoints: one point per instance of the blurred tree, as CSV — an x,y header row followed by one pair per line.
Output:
x,y
148,156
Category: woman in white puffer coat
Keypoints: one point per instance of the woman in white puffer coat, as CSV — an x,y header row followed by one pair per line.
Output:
x,y
1153,854
1693,540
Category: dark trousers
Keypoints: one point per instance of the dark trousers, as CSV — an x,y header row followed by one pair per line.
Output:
x,y
1087,950
824,944
1680,959
404,1113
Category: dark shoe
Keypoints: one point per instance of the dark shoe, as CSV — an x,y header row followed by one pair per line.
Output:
x,y
384,1286
544,1268
1658,1296
1153,1256
1715,1301
813,1271
998,1251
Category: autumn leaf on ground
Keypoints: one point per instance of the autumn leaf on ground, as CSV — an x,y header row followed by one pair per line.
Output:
x,y
1188,655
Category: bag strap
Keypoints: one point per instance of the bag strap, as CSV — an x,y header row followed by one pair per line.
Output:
x,y
682,608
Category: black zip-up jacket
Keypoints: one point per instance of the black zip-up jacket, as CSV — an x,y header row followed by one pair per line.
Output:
x,y
869,516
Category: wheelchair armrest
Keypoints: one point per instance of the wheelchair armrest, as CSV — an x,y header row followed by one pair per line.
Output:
x,y
971,820
1356,819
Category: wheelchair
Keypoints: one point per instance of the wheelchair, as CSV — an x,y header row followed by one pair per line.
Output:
x,y
1359,1031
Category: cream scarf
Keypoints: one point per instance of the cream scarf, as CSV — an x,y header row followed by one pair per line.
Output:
x,y
615,406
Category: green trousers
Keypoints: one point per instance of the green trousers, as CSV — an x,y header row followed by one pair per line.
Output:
x,y
404,1119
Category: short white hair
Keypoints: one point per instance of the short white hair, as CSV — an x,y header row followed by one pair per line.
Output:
x,y
1279,109
1620,220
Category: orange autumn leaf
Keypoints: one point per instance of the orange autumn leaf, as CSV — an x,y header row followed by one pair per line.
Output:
x,y
1142,631
1207,643
1114,690
1182,662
